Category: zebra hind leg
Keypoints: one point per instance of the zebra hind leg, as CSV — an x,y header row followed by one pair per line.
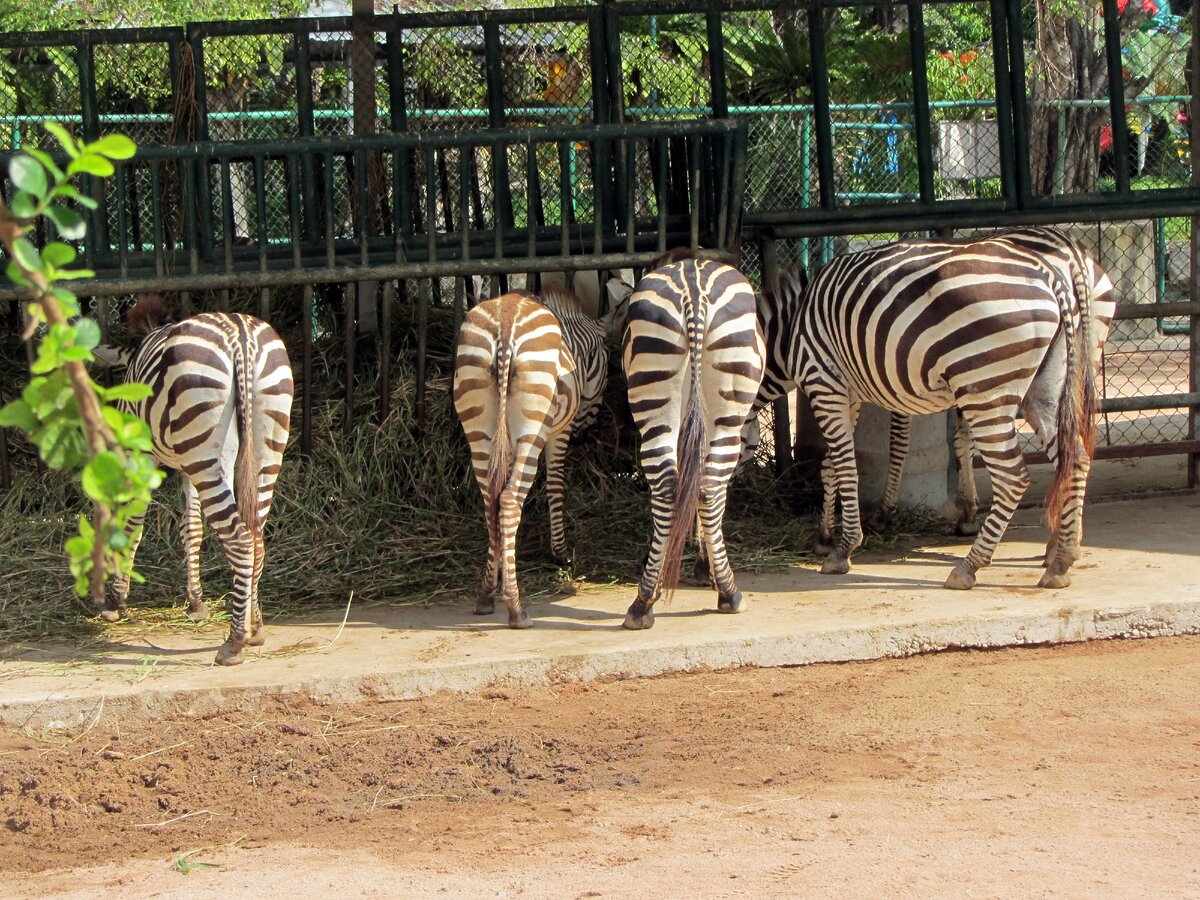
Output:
x,y
556,451
702,572
899,438
640,614
1066,534
824,544
997,443
527,449
712,512
968,495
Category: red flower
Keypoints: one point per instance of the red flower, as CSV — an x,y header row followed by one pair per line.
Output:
x,y
1148,6
968,57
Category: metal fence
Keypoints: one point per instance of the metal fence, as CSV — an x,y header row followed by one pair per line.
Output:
x,y
863,122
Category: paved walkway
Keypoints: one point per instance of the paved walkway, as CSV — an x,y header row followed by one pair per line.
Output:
x,y
1139,577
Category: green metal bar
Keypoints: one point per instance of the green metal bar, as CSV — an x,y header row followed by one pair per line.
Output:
x,y
660,192
920,86
1020,111
228,225
1116,94
496,118
599,62
565,196
156,214
1004,100
306,128
394,49
820,92
260,211
805,178
693,151
122,219
716,61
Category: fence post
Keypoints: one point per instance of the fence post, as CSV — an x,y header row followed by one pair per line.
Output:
x,y
820,94
920,85
1193,432
782,419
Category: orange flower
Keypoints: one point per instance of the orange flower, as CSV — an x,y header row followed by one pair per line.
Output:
x,y
965,78
946,54
968,57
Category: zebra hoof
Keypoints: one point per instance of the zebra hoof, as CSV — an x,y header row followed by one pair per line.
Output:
x,y
198,612
966,528
835,565
230,654
960,579
701,572
635,622
519,619
257,638
823,547
1051,579
563,560
879,520
485,606
731,604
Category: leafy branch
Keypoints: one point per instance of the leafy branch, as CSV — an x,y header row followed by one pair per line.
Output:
x,y
65,413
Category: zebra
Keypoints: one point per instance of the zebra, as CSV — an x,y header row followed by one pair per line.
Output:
x,y
219,413
527,371
921,326
693,355
1075,263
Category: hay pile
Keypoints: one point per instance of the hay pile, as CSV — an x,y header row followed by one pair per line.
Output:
x,y
384,512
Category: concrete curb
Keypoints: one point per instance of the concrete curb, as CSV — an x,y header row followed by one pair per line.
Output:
x,y
1066,624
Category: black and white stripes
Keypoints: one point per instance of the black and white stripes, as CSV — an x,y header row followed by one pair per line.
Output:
x,y
220,414
693,356
994,326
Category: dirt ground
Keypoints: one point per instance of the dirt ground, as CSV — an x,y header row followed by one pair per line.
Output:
x,y
1072,771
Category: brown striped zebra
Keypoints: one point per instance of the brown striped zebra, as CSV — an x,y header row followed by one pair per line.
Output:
x,y
993,326
220,414
693,357
526,371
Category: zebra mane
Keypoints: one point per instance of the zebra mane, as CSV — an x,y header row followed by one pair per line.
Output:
x,y
149,314
674,255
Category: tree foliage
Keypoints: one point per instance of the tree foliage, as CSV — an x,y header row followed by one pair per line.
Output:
x,y
65,413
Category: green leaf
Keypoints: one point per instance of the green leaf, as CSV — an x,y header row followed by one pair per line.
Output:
x,y
16,274
62,446
64,137
66,300
69,274
76,354
24,205
131,391
87,333
28,175
58,254
114,146
48,161
70,224
91,164
104,476
27,256
17,414
85,201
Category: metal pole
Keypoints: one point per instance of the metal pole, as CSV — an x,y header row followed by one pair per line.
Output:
x,y
1193,460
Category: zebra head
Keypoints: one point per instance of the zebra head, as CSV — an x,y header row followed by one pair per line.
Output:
x,y
110,356
617,317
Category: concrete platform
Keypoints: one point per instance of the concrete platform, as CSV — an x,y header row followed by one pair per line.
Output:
x,y
1139,577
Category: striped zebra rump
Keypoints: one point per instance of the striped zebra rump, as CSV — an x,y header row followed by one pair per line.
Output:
x,y
919,327
220,414
517,390
693,357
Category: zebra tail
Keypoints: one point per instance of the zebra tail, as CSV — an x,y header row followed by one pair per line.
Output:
x,y
247,465
1076,405
500,464
690,462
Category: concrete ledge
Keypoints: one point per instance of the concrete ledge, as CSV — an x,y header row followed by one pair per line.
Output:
x,y
1140,577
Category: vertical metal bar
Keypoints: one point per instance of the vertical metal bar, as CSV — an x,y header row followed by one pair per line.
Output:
x,y
565,199
422,299
201,187
86,62
188,179
716,60
327,207
1193,432
121,188
629,149
533,199
227,221
385,349
693,150
260,209
174,65
920,85
306,360
608,20
600,61
364,218
394,49
820,94
156,215
499,186
1020,104
1004,104
496,118
1116,94
465,165
350,324
738,180
306,127
660,191
293,176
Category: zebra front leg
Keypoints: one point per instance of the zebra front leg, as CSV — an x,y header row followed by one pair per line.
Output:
x,y
996,440
825,526
899,436
968,495
835,416
556,451
662,506
193,536
116,592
